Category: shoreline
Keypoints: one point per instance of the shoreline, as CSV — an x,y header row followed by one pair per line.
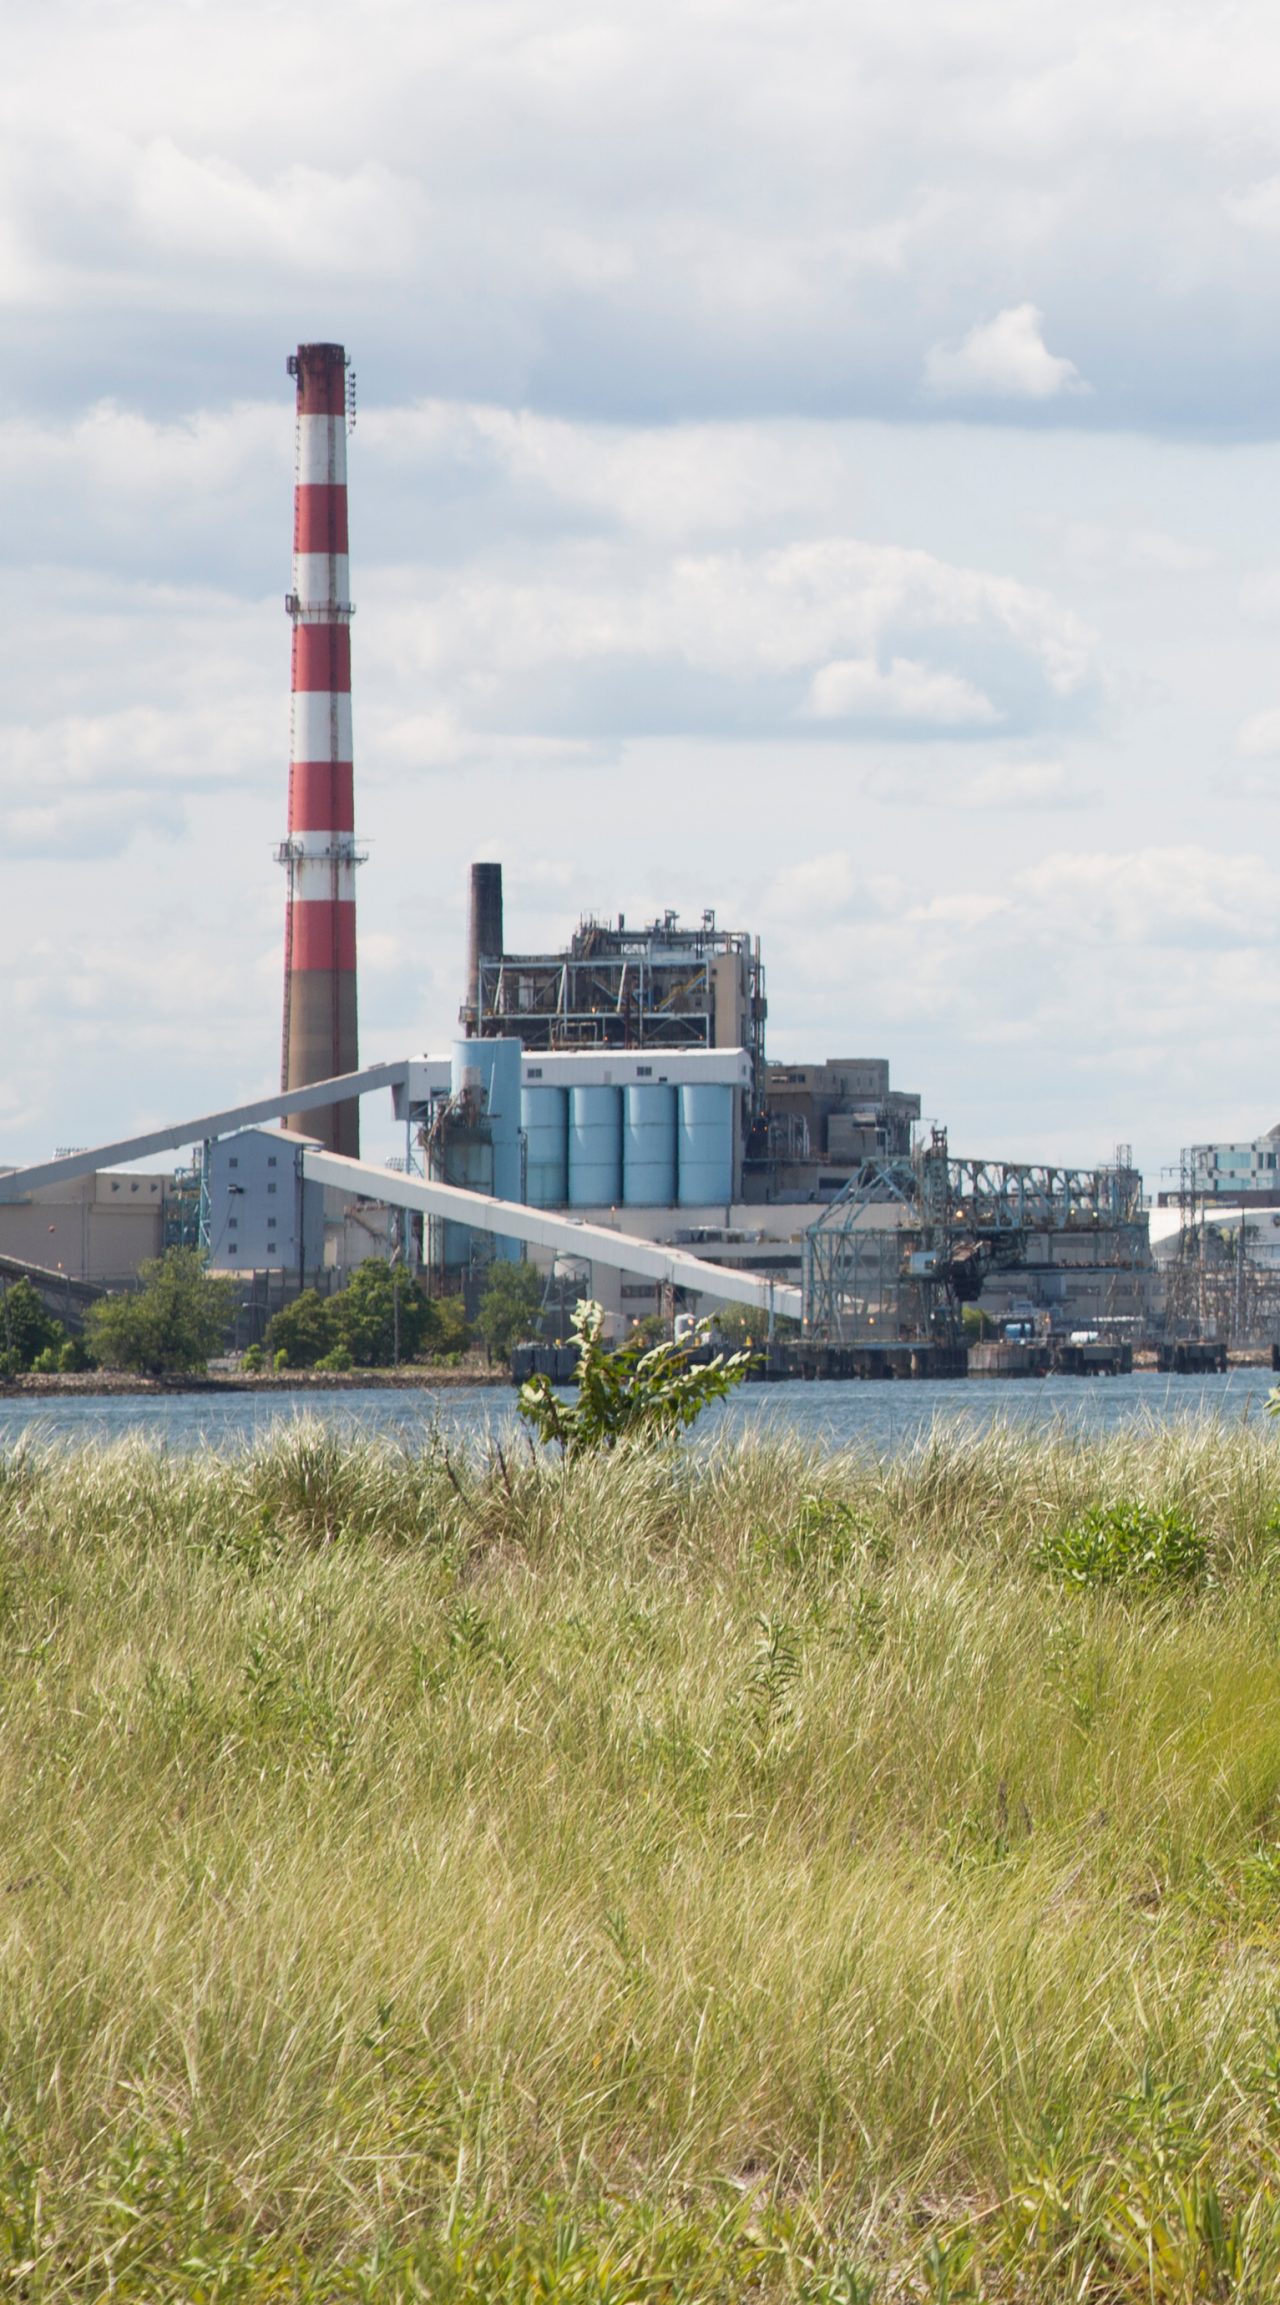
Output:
x,y
120,1383
409,1378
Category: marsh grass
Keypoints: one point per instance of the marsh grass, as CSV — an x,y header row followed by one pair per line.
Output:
x,y
657,1876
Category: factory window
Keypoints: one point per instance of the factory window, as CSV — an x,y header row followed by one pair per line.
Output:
x,y
133,1188
115,1188
231,1248
232,1222
644,1072
271,1188
535,1072
234,1161
271,1160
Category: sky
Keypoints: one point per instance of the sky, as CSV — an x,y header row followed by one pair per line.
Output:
x,y
813,460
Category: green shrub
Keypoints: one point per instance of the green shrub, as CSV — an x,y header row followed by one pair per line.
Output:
x,y
508,1310
252,1361
27,1330
299,1333
632,1394
380,1316
1127,1543
170,1325
451,1332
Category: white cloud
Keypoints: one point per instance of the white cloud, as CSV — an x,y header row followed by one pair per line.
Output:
x,y
1027,784
1047,1011
1258,738
1257,207
1098,545
1260,595
670,211
1002,359
855,688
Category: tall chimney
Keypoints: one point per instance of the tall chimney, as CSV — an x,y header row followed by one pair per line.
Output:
x,y
320,853
484,935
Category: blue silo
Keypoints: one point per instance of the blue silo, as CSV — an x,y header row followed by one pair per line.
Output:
x,y
705,1154
649,1145
493,1066
545,1117
595,1148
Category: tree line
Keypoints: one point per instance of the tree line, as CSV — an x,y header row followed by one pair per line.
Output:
x,y
180,1316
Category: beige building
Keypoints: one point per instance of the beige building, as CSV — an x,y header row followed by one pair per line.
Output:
x,y
93,1228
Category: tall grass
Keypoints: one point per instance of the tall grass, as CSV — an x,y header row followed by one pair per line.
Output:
x,y
659,1876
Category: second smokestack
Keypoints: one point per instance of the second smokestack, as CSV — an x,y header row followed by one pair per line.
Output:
x,y
484,935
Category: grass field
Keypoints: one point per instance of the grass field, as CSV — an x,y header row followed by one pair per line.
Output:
x,y
666,1878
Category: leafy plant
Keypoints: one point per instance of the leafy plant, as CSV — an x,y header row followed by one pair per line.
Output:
x,y
509,1308
636,1393
299,1334
29,1333
774,1670
170,1325
1126,1543
380,1317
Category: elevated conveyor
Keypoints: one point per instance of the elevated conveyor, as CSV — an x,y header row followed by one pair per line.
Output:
x,y
511,1220
319,1093
543,1228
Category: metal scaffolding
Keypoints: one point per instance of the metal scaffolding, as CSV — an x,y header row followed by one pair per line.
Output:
x,y
909,1242
659,986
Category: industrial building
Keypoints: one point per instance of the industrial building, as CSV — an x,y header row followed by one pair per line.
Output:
x,y
821,1122
625,1077
1244,1173
96,1228
661,987
260,1214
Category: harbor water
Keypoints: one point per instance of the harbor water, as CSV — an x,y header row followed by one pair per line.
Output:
x,y
881,1419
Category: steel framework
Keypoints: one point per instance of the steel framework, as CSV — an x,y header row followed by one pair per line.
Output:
x,y
908,1242
661,986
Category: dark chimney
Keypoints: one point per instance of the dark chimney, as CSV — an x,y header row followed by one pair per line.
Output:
x,y
484,935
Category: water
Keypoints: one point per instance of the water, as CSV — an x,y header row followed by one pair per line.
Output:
x,y
885,1417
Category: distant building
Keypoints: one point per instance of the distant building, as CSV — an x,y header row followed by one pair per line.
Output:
x,y
97,1228
1245,1173
821,1122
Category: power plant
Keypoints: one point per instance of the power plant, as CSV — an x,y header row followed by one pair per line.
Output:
x,y
610,1109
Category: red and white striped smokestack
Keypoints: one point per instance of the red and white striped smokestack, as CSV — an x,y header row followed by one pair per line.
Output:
x,y
320,852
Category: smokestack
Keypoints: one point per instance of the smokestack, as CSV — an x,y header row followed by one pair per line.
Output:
x,y
484,935
320,853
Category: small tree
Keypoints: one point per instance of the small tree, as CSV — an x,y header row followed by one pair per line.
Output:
x,y
300,1331
170,1325
739,1326
452,1333
27,1329
509,1308
381,1309
636,1394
